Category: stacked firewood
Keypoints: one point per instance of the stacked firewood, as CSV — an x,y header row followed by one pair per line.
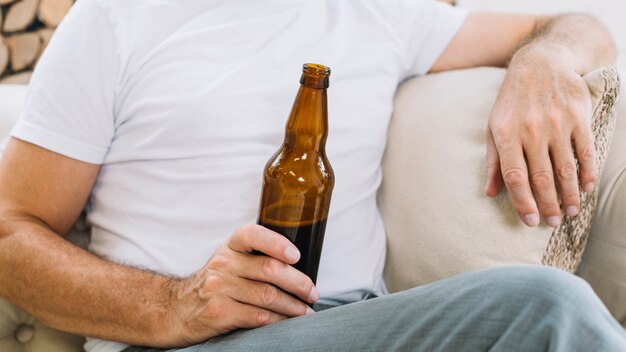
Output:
x,y
25,29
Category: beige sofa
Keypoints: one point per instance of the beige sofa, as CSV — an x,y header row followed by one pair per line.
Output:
x,y
604,263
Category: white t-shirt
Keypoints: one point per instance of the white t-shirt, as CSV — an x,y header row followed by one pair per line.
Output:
x,y
183,102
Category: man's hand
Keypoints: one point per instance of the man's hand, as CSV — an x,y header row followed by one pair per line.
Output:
x,y
239,290
541,120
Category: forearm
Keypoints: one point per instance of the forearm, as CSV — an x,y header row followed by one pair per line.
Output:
x,y
70,289
577,42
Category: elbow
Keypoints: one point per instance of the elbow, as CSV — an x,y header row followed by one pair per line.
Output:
x,y
5,256
606,45
10,249
607,53
576,28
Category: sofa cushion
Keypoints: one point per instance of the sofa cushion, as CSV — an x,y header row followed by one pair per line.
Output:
x,y
19,331
439,222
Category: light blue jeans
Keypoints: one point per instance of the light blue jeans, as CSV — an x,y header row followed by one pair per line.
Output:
x,y
517,308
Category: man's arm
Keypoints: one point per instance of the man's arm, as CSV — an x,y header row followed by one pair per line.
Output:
x,y
492,39
541,119
42,194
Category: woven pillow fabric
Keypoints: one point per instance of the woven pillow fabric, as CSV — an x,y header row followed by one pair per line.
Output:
x,y
439,222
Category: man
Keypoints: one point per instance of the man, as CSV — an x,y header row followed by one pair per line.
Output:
x,y
159,116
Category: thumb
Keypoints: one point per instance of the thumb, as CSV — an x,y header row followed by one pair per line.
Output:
x,y
495,183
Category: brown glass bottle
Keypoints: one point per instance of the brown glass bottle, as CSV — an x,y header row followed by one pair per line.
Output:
x,y
298,180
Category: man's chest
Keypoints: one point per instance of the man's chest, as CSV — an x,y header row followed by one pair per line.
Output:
x,y
226,88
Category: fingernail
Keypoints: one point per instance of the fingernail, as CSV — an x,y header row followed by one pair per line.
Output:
x,y
588,187
571,210
554,221
531,220
292,254
309,311
314,295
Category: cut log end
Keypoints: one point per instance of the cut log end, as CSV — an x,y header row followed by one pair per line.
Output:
x,y
51,12
4,56
20,15
24,49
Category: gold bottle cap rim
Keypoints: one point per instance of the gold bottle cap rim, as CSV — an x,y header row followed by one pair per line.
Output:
x,y
316,69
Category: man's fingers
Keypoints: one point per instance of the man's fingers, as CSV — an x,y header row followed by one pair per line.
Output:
x,y
495,183
251,238
567,175
270,297
277,273
541,177
245,316
586,155
515,176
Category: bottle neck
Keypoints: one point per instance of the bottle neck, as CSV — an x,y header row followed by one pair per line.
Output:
x,y
307,127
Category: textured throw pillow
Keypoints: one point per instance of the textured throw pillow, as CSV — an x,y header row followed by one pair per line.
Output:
x,y
439,222
604,260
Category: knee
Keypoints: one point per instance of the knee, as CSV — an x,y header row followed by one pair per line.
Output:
x,y
547,287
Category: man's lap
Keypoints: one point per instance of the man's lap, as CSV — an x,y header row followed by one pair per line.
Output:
x,y
468,312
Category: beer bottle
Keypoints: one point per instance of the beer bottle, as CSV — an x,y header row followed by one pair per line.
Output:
x,y
298,180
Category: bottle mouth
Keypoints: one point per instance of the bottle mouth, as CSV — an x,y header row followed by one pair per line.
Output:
x,y
315,76
316,69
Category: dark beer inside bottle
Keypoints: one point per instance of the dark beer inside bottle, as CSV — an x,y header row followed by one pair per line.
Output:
x,y
304,227
309,240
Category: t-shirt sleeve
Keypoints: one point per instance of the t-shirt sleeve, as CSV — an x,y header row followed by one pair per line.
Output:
x,y
427,27
70,101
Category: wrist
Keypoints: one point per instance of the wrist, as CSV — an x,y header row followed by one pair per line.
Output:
x,y
543,54
548,54
165,325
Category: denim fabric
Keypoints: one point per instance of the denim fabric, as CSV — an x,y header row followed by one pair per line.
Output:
x,y
516,308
